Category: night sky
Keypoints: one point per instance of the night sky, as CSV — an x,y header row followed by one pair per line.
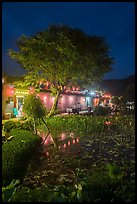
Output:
x,y
113,20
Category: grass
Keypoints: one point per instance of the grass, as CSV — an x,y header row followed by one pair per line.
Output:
x,y
98,166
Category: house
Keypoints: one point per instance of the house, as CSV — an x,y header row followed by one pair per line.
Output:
x,y
13,98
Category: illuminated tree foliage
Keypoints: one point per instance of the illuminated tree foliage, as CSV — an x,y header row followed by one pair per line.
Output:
x,y
34,109
64,57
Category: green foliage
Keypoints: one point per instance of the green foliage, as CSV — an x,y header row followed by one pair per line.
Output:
x,y
33,106
9,125
95,187
26,125
16,154
114,171
63,56
100,110
119,102
88,173
9,191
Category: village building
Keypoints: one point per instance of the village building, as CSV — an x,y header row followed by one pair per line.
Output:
x,y
13,99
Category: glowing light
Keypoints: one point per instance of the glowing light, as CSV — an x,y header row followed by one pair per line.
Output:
x,y
49,140
73,141
77,140
71,98
107,122
64,145
21,92
73,88
53,98
69,143
47,83
92,93
44,98
107,96
63,136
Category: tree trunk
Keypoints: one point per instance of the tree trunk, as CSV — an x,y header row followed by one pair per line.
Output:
x,y
35,131
55,104
45,124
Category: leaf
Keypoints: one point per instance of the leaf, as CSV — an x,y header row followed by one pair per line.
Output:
x,y
9,138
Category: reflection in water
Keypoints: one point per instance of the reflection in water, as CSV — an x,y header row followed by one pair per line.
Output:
x,y
64,142
64,145
63,136
49,140
73,141
68,143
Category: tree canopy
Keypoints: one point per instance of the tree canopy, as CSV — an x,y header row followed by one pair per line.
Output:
x,y
62,56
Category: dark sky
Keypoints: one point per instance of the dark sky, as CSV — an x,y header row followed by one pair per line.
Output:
x,y
113,20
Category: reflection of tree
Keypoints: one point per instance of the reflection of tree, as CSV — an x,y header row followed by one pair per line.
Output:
x,y
49,139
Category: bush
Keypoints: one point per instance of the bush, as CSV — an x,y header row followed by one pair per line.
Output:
x,y
26,125
16,154
9,125
103,111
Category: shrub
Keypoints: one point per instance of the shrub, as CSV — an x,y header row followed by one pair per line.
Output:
x,y
16,154
100,110
9,125
26,125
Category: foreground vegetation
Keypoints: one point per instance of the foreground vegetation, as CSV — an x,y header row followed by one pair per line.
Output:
x,y
97,166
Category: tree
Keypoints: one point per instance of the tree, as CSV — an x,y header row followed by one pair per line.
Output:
x,y
64,57
34,108
119,102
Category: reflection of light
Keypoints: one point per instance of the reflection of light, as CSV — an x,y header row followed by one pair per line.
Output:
x,y
47,154
107,122
73,141
68,142
53,98
59,147
77,140
63,136
49,140
64,145
92,93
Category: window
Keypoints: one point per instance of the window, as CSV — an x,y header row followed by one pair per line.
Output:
x,y
10,99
